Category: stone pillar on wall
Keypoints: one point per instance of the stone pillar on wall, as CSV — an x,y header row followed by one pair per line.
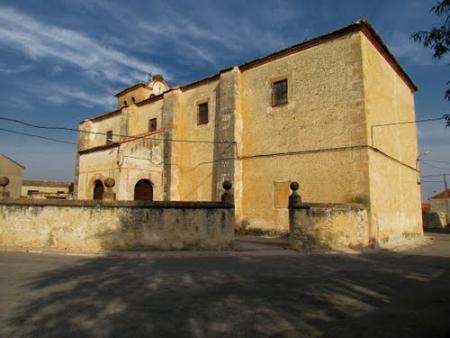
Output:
x,y
124,118
294,202
224,130
109,194
227,196
170,107
299,237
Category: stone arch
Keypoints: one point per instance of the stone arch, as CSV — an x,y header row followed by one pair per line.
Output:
x,y
91,184
143,190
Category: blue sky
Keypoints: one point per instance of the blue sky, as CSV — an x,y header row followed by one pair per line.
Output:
x,y
62,61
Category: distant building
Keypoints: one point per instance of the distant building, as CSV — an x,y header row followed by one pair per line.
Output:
x,y
322,113
14,171
441,203
39,189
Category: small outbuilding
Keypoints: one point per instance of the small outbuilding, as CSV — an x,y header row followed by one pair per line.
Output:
x,y
14,171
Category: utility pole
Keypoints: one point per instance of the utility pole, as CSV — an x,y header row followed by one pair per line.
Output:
x,y
447,199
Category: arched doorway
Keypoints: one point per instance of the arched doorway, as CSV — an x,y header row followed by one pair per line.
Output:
x,y
98,190
143,191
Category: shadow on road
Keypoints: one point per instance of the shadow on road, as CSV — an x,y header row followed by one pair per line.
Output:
x,y
249,296
438,230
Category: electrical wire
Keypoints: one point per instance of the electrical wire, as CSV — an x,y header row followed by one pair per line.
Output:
x,y
101,133
435,166
36,136
435,175
446,162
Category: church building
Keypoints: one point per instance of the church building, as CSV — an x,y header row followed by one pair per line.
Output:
x,y
324,113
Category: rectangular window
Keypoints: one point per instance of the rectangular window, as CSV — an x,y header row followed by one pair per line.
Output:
x,y
203,113
109,137
152,124
32,192
279,93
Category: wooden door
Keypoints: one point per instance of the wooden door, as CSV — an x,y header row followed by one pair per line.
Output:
x,y
98,190
143,191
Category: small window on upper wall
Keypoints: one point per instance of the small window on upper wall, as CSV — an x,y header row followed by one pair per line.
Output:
x,y
109,137
125,103
203,113
133,99
279,93
152,124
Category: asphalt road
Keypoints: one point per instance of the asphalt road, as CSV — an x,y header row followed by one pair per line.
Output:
x,y
270,292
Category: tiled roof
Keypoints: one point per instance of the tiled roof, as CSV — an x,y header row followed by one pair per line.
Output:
x,y
441,195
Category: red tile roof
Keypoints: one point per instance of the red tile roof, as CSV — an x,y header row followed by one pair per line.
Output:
x,y
441,195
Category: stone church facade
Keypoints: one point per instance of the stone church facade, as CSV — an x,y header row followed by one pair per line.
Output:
x,y
309,113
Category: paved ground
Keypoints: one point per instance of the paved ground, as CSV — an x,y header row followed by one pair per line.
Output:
x,y
261,291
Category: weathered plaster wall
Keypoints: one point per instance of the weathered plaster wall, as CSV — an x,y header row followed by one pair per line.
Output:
x,y
139,94
97,166
193,177
141,159
394,192
140,115
90,227
317,131
14,172
96,135
329,226
127,164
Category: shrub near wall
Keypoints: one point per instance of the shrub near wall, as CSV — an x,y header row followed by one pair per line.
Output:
x,y
91,226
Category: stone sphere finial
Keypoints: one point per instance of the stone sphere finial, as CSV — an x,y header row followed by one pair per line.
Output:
x,y
227,185
4,181
110,182
294,186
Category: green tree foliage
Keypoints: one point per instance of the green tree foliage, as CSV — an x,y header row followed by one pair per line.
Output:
x,y
438,38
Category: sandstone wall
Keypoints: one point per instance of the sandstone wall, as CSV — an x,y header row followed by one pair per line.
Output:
x,y
395,200
317,138
329,226
192,161
89,226
140,115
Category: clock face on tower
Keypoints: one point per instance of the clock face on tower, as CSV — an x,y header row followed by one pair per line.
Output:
x,y
158,88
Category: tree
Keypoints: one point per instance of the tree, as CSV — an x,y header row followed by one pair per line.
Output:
x,y
438,38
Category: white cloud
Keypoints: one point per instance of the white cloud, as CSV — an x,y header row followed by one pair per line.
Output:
x,y
88,99
62,94
40,40
186,36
